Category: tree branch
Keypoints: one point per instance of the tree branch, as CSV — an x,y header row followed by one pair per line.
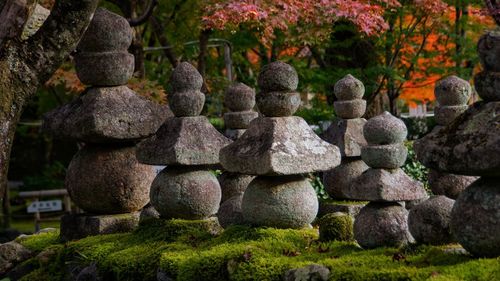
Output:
x,y
45,51
145,15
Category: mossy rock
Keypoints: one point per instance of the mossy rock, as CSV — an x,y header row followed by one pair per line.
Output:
x,y
336,227
187,250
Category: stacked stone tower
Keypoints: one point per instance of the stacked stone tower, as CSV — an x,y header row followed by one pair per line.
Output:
x,y
105,177
240,100
471,146
452,95
346,132
189,145
278,148
384,221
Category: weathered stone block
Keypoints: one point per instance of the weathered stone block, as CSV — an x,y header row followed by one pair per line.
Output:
x,y
230,211
487,85
187,103
383,185
450,185
429,222
102,115
78,226
279,146
489,50
388,156
104,69
183,141
347,135
233,184
234,134
240,119
185,77
446,114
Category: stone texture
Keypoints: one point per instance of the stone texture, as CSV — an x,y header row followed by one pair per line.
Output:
x,y
148,213
239,97
469,146
350,109
429,222
489,50
104,69
487,85
106,32
475,218
347,135
78,226
187,103
112,114
108,180
444,115
349,88
277,104
452,90
185,77
336,227
233,184
278,76
239,119
281,202
339,179
185,193
333,206
230,211
234,134
183,141
385,129
313,272
12,253
383,185
450,185
382,225
279,146
388,156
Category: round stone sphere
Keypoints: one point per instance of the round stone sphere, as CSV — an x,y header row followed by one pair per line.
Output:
x,y
336,227
230,211
475,218
382,225
488,49
452,90
278,76
185,193
388,156
185,77
233,184
385,129
104,69
185,104
450,185
106,32
278,104
108,180
429,221
239,97
350,109
349,88
281,202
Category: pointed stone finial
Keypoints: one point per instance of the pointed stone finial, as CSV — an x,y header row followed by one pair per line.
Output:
x,y
239,97
186,98
277,82
452,91
349,88
385,129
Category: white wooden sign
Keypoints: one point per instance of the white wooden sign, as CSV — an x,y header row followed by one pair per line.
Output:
x,y
45,206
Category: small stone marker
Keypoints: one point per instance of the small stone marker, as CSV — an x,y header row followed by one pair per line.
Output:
x,y
383,222
277,148
104,177
189,145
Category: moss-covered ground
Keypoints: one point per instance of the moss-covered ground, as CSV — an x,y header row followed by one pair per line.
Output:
x,y
187,251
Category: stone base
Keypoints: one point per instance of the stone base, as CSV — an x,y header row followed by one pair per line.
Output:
x,y
77,226
331,206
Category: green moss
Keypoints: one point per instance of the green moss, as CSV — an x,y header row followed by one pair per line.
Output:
x,y
344,202
191,250
336,227
40,241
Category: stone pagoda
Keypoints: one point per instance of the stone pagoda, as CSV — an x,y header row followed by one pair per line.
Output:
x,y
346,132
240,100
189,145
452,95
384,221
278,148
470,146
104,178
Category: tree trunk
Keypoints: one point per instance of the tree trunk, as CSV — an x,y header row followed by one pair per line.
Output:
x,y
202,57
